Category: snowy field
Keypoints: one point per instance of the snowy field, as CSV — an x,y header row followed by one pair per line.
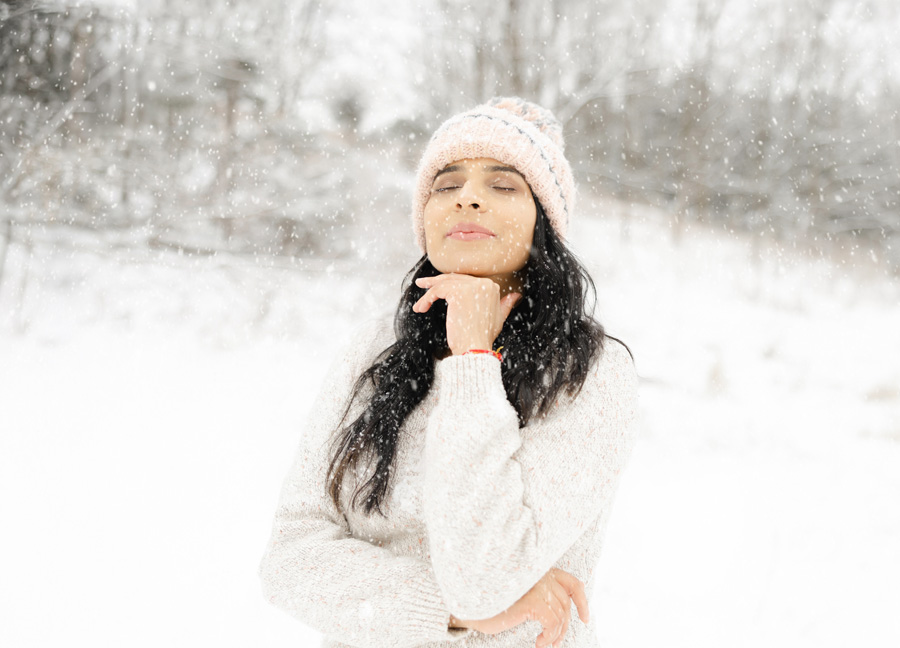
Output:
x,y
151,404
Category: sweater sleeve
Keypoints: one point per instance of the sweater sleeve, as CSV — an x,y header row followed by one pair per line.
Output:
x,y
503,504
315,570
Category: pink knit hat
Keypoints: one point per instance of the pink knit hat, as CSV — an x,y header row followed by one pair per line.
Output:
x,y
515,132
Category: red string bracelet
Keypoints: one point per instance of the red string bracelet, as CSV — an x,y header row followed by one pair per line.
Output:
x,y
496,353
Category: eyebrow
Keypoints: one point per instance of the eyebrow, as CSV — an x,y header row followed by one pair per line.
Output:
x,y
489,169
449,169
503,168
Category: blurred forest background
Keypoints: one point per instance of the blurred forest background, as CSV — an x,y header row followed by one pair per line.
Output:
x,y
270,127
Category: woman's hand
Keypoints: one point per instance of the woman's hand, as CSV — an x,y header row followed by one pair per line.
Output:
x,y
475,310
547,602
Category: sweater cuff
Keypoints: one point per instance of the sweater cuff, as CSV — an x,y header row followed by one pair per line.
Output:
x,y
428,618
470,378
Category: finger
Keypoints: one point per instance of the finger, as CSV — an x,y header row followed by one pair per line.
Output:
x,y
424,282
553,618
550,633
431,295
506,305
575,589
562,634
566,604
549,623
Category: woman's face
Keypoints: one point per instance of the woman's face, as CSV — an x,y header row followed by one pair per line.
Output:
x,y
479,219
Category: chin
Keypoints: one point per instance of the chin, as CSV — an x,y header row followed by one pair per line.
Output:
x,y
473,269
460,268
477,267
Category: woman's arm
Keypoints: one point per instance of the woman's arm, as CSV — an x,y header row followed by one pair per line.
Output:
x,y
313,569
502,505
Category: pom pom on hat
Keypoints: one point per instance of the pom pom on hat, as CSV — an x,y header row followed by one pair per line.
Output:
x,y
515,132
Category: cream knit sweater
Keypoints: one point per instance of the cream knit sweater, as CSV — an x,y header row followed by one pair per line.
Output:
x,y
478,509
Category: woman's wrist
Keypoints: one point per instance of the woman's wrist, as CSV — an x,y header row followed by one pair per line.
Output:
x,y
465,348
495,352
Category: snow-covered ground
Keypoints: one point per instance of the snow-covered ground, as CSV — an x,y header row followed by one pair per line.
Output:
x,y
151,404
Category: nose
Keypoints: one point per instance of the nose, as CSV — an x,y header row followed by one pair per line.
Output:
x,y
469,196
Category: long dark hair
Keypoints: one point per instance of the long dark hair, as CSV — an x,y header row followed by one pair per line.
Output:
x,y
549,343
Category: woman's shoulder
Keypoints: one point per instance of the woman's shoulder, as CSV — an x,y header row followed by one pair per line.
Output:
x,y
364,341
607,396
610,379
375,331
369,337
613,370
615,354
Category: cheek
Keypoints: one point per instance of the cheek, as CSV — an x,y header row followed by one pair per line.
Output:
x,y
434,227
524,240
523,232
428,221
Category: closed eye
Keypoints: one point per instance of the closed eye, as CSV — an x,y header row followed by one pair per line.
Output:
x,y
445,188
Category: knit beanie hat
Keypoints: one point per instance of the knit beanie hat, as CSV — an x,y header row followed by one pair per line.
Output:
x,y
514,132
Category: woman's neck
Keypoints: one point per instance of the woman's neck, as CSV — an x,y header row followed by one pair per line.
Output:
x,y
509,283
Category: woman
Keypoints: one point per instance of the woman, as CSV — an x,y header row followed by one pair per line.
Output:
x,y
456,476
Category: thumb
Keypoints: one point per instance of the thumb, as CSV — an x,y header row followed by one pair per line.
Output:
x,y
506,304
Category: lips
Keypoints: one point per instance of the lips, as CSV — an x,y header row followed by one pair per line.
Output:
x,y
470,228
